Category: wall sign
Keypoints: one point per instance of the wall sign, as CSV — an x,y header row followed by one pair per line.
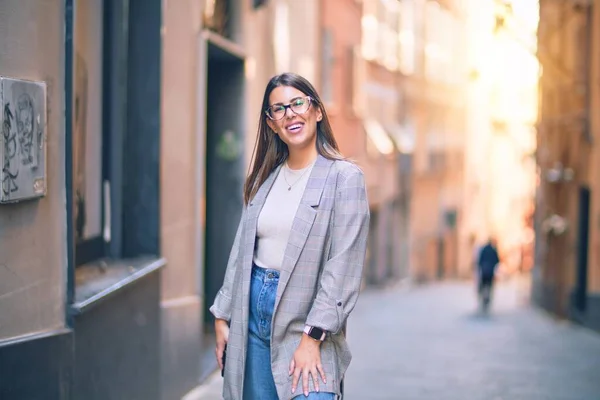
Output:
x,y
22,140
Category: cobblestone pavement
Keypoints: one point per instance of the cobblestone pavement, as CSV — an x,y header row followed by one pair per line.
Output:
x,y
431,343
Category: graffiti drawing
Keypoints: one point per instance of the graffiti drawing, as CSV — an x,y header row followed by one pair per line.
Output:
x,y
25,129
9,170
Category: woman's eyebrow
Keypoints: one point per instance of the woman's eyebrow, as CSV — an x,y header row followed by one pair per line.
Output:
x,y
281,103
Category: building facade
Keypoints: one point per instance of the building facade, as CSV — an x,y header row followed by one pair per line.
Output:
x,y
385,148
566,277
80,302
433,75
115,246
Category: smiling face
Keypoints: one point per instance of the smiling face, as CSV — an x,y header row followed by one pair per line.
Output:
x,y
295,127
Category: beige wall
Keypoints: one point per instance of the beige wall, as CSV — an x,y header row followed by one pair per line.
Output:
x,y
182,161
180,208
33,241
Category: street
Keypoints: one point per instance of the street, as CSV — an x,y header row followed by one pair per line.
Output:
x,y
430,343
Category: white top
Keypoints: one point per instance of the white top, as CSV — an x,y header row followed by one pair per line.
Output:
x,y
277,215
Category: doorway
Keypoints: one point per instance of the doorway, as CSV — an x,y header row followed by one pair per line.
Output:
x,y
225,170
582,249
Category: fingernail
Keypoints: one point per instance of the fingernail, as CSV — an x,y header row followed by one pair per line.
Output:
x,y
305,394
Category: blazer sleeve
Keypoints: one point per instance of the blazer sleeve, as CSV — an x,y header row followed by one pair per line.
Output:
x,y
341,277
221,307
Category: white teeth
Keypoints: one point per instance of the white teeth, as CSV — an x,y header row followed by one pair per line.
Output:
x,y
294,127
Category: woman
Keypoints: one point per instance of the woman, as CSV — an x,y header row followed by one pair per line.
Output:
x,y
295,268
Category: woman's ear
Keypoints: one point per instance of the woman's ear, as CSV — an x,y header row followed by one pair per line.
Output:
x,y
319,115
272,125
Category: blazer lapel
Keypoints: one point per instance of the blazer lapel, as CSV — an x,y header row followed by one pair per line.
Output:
x,y
249,243
303,221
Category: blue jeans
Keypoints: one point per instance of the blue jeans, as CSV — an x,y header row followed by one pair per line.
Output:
x,y
258,377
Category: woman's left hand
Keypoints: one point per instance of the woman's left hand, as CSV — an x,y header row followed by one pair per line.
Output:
x,y
307,360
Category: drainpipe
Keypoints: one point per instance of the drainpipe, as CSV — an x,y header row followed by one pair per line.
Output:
x,y
68,92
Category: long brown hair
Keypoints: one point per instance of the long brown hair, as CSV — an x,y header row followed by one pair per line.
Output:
x,y
269,150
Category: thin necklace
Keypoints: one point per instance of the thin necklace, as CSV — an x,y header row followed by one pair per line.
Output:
x,y
297,180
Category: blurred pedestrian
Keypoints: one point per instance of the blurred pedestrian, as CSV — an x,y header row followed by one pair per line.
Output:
x,y
488,264
295,268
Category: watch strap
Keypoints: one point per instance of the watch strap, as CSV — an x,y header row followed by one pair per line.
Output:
x,y
315,333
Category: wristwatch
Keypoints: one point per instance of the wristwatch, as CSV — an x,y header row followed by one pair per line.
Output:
x,y
315,333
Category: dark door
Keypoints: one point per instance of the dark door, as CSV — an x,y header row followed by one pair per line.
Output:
x,y
582,248
225,170
441,255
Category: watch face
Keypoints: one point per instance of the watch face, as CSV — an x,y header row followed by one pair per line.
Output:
x,y
316,333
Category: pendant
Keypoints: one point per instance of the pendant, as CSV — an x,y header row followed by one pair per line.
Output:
x,y
289,188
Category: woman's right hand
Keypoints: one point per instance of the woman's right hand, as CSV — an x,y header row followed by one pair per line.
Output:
x,y
222,334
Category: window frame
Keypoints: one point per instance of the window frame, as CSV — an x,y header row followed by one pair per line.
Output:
x,y
92,248
115,36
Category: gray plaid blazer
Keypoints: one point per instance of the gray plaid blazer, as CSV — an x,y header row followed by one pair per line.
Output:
x,y
319,281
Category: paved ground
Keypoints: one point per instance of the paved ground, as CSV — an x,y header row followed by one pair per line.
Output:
x,y
430,343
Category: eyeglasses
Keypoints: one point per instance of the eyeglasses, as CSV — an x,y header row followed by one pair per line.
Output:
x,y
299,105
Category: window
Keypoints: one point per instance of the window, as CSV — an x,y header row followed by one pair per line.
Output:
x,y
88,128
436,161
392,26
391,46
406,37
369,30
113,198
382,31
350,79
379,32
436,141
441,42
216,15
449,43
432,35
356,79
328,64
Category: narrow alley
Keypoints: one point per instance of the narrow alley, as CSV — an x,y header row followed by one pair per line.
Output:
x,y
431,343
140,138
